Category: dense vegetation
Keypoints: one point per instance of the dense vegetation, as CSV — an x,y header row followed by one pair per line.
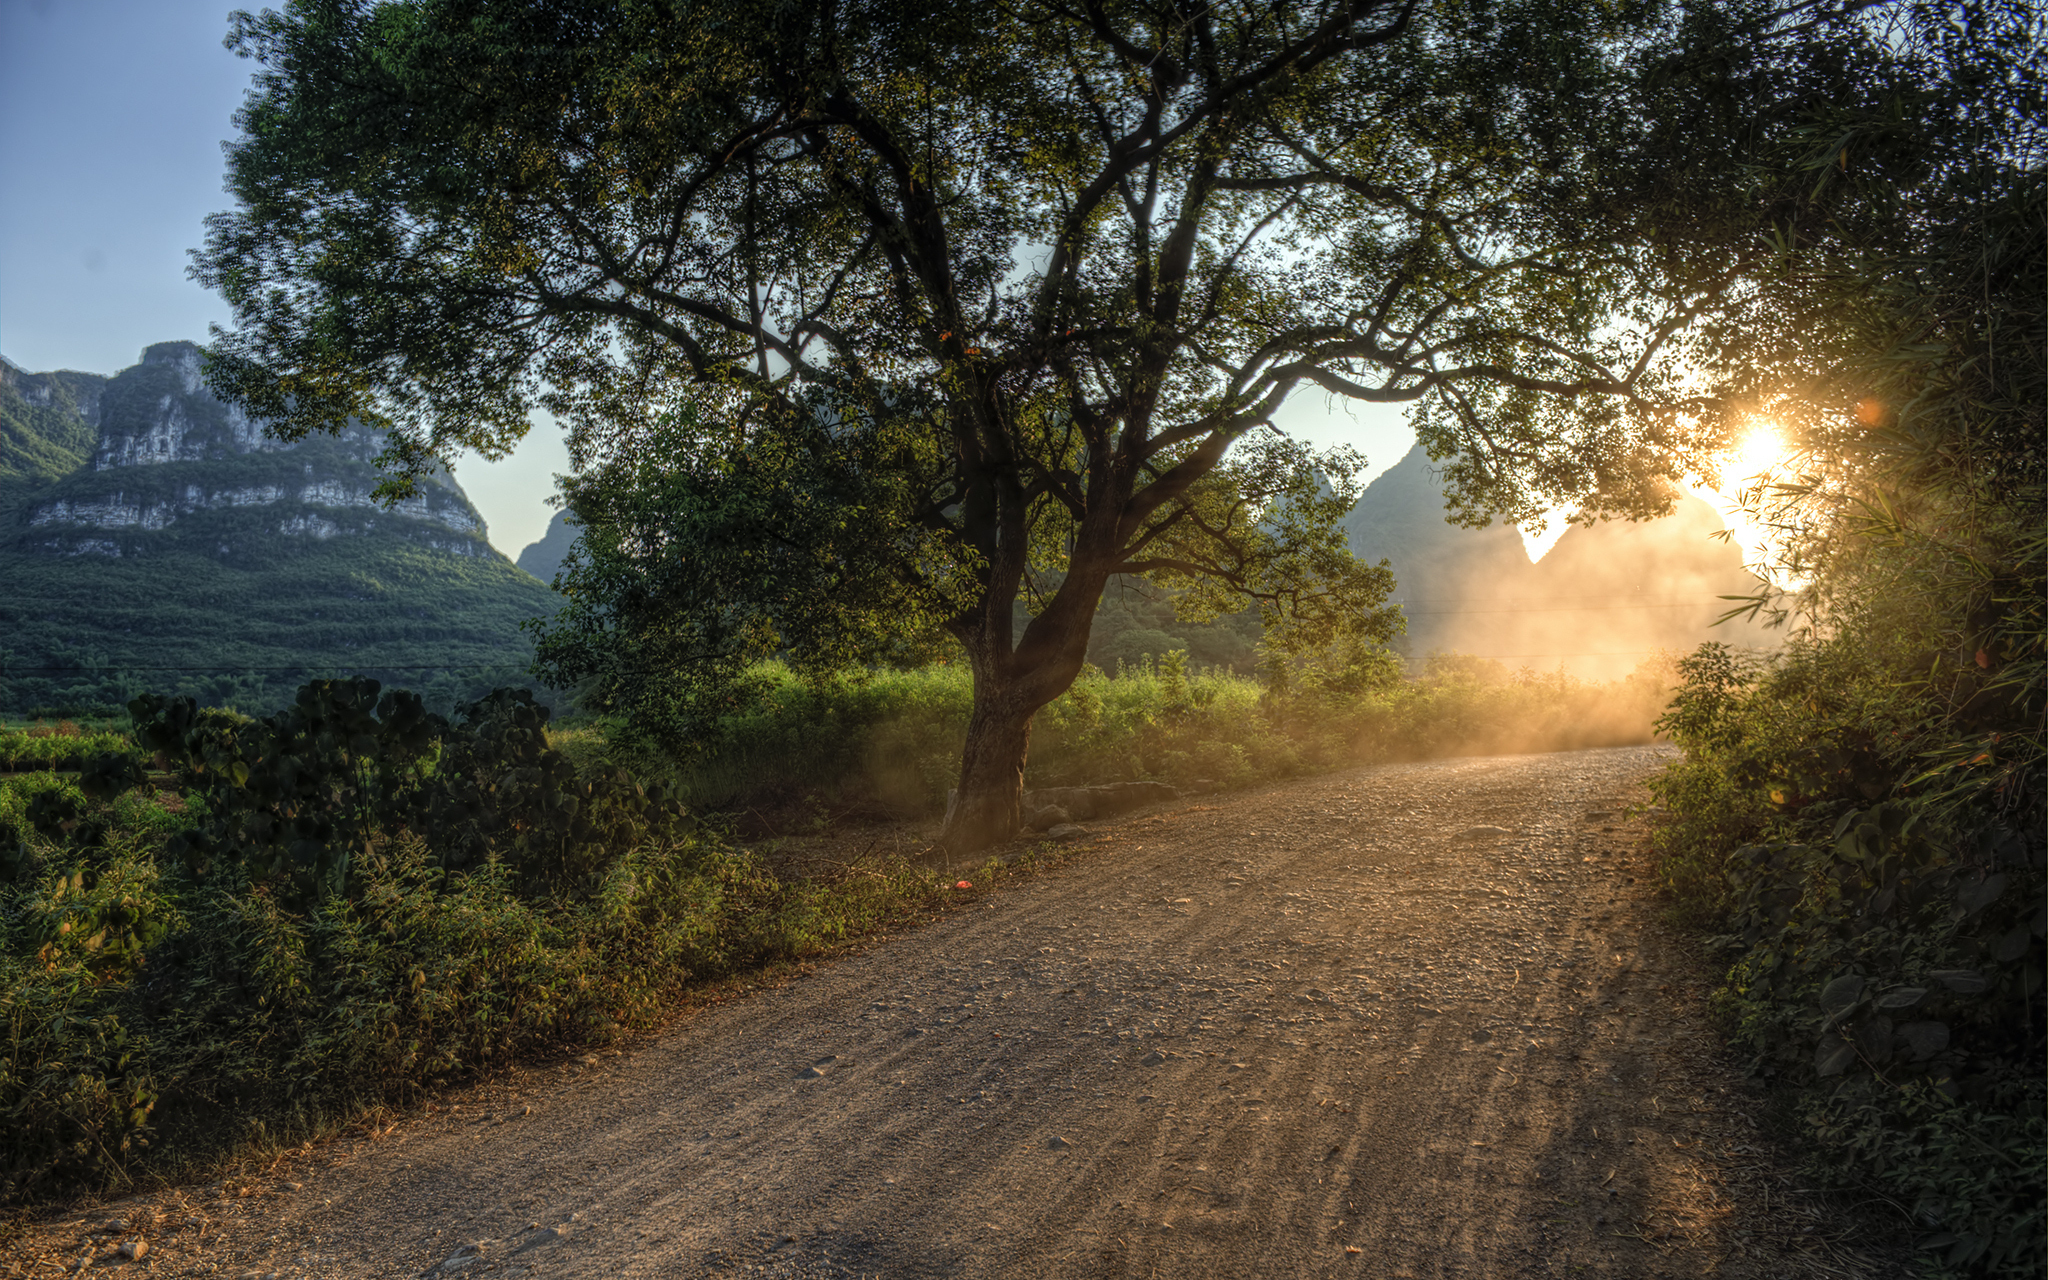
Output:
x,y
64,746
1862,818
46,426
205,573
1138,624
341,904
83,635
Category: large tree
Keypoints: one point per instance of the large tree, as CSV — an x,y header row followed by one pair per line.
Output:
x,y
873,311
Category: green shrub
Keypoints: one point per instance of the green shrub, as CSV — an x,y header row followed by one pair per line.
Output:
x,y
1886,940
75,1093
48,747
292,798
160,1008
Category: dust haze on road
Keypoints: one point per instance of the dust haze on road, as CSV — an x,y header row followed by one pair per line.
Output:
x,y
1403,1021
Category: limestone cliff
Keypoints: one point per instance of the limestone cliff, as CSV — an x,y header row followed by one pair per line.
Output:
x,y
153,537
167,451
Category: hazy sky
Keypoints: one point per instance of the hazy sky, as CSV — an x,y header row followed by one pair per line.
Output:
x,y
112,115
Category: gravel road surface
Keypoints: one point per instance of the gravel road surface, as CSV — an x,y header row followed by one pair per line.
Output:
x,y
1404,1021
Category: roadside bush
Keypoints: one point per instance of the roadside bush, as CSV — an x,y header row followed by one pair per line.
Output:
x,y
292,798
1901,974
1885,933
177,979
1862,818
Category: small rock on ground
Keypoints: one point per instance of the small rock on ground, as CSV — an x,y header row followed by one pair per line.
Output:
x,y
1483,833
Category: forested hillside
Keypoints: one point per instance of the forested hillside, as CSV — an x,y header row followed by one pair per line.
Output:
x,y
151,538
46,424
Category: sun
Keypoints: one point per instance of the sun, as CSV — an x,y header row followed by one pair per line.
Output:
x,y
1759,458
1761,453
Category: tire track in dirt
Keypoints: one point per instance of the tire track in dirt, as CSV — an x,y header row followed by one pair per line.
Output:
x,y
1408,1021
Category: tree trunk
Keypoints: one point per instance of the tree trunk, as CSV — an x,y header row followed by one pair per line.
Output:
x,y
1015,676
1010,684
987,807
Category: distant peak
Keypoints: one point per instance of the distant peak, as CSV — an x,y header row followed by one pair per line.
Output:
x,y
182,356
170,352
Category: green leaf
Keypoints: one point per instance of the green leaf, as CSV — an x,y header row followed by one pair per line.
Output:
x,y
1962,981
2013,945
1842,993
1924,1039
1833,1056
1975,897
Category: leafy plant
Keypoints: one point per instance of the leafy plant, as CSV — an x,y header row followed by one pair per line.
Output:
x,y
297,799
178,974
25,750
1902,974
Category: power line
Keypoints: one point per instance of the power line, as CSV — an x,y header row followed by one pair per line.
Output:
x,y
1548,598
1617,653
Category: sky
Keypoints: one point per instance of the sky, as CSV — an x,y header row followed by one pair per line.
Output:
x,y
112,116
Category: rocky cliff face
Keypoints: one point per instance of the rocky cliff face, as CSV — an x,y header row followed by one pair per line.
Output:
x,y
168,454
154,539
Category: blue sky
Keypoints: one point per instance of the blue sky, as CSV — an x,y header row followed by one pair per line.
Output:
x,y
112,115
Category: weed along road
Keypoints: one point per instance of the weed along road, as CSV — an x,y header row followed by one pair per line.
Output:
x,y
1406,1021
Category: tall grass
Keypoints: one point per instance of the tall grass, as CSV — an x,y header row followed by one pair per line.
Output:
x,y
889,741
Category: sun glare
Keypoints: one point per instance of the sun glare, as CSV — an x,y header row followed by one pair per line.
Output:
x,y
1760,458
1761,453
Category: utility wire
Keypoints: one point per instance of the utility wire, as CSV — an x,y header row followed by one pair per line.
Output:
x,y
1615,653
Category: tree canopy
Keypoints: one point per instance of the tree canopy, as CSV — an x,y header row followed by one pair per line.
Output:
x,y
932,311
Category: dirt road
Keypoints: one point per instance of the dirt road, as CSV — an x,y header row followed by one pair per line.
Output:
x,y
1408,1021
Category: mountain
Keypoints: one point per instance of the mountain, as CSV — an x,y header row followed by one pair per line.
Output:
x,y
1400,518
155,538
1606,596
544,558
46,423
